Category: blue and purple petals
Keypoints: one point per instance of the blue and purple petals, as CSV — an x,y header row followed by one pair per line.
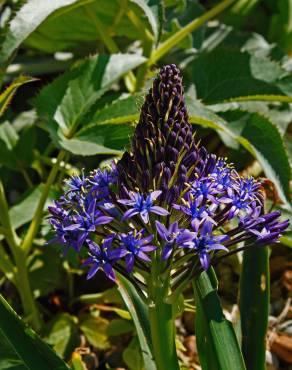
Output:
x,y
172,237
142,205
101,257
134,245
188,202
204,242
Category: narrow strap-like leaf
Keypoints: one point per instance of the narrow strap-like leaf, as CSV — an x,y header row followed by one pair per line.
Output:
x,y
254,306
139,313
217,343
30,349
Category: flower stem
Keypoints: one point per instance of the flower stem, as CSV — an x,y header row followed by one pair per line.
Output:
x,y
33,227
183,32
163,332
21,278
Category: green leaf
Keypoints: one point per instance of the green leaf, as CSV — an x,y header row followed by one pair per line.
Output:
x,y
98,139
7,95
139,312
119,326
217,343
26,20
95,330
125,109
132,356
63,335
262,138
150,14
24,210
70,96
224,74
31,351
16,150
46,274
254,306
80,26
257,134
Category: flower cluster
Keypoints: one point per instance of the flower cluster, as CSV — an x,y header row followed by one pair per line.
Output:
x,y
167,200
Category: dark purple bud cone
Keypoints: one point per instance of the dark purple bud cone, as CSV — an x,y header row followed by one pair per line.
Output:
x,y
163,148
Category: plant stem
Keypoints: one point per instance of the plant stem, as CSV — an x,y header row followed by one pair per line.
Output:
x,y
183,32
28,302
21,276
34,225
163,332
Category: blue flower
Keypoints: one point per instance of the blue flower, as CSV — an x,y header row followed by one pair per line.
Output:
x,y
204,242
197,212
142,205
76,183
134,245
101,180
204,189
173,236
102,257
86,222
223,174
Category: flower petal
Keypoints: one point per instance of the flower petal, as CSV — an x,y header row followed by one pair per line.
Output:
x,y
159,210
154,195
108,270
93,271
129,262
161,229
129,213
204,260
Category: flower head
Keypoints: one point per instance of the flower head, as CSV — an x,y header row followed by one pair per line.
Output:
x,y
191,204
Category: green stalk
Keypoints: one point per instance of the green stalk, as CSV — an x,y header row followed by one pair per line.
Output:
x,y
21,276
162,332
34,225
183,32
254,306
267,98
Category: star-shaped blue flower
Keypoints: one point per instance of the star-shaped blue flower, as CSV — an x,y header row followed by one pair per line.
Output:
x,y
135,245
204,242
103,257
142,205
173,236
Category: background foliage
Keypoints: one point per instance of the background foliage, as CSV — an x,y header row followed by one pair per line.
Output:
x,y
73,75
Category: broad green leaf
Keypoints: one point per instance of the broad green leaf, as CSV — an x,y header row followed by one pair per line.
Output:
x,y
7,95
98,139
83,23
63,335
24,210
8,357
125,109
70,96
95,330
262,138
16,149
139,313
257,134
46,273
225,74
132,356
119,326
217,345
254,306
26,20
150,14
31,351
